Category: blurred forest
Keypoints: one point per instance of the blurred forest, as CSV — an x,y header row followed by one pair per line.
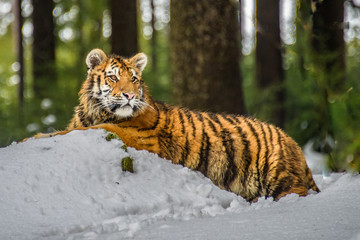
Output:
x,y
294,63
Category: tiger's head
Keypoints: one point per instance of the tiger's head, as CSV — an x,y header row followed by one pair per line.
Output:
x,y
114,84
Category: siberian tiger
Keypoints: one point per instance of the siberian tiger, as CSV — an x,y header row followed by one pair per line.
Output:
x,y
239,154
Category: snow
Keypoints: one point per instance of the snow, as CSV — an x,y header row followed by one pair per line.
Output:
x,y
73,187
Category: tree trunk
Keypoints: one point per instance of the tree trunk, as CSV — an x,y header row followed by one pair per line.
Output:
x,y
43,48
328,42
205,55
19,49
153,38
269,71
329,61
124,37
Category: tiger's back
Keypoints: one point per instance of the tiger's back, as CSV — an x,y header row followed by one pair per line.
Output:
x,y
239,154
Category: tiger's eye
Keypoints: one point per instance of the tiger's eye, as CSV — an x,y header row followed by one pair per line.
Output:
x,y
134,79
113,78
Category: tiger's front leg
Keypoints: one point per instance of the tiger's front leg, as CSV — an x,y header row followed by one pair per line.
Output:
x,y
130,136
108,127
47,135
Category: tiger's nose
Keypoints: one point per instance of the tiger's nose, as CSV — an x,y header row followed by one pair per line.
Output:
x,y
129,96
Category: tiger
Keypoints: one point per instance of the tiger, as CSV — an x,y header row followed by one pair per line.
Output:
x,y
240,154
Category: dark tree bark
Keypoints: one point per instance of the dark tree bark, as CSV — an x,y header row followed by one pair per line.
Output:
x,y
205,55
329,60
269,71
153,39
124,38
328,42
43,48
19,48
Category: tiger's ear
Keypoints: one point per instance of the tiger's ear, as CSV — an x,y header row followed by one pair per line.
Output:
x,y
95,57
139,61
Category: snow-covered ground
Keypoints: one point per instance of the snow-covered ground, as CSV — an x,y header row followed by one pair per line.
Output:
x,y
73,187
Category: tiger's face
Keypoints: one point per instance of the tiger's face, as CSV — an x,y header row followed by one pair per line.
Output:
x,y
116,82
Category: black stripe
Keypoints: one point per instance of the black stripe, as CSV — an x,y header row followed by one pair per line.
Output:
x,y
181,117
211,124
168,119
266,159
271,136
231,170
167,144
191,121
236,119
279,167
280,143
307,171
98,80
246,155
147,144
80,113
215,118
272,162
166,138
283,186
228,118
185,152
204,154
227,143
147,137
98,84
247,121
269,162
91,85
200,117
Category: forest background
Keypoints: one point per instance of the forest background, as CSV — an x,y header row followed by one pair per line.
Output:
x,y
294,63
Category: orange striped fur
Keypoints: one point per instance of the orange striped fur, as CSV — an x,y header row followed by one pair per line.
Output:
x,y
239,154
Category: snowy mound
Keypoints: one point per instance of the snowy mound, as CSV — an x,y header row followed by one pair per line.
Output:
x,y
73,187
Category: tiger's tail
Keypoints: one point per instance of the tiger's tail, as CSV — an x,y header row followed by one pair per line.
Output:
x,y
312,185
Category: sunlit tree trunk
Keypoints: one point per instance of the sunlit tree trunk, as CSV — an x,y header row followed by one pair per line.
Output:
x,y
269,71
205,55
124,37
43,53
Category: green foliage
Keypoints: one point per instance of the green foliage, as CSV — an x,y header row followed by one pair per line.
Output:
x,y
316,112
111,136
127,164
124,147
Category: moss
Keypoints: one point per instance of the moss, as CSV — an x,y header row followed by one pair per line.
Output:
x,y
124,147
111,136
127,164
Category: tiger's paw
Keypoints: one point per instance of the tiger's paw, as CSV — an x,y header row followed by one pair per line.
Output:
x,y
38,135
43,135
